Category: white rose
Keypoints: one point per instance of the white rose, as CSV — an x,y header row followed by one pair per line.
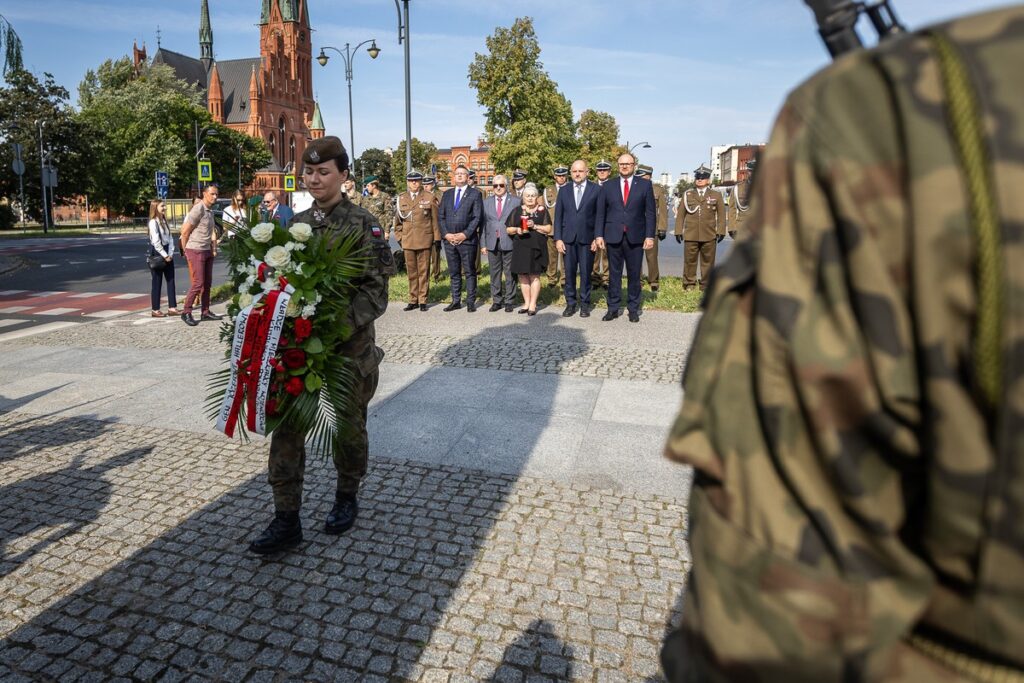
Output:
x,y
289,245
277,257
309,311
301,231
298,269
244,300
293,309
263,232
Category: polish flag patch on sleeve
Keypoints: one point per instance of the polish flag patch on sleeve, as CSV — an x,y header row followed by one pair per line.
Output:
x,y
376,231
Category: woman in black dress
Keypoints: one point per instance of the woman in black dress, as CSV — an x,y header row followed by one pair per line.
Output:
x,y
529,228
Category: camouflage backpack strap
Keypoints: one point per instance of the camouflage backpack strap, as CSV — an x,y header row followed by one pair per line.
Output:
x,y
967,128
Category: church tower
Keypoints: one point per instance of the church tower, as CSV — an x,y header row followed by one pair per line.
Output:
x,y
205,36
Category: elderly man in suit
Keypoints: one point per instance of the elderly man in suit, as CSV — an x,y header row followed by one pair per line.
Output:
x,y
459,218
498,245
625,227
575,213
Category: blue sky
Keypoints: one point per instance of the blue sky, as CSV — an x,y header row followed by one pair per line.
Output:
x,y
679,74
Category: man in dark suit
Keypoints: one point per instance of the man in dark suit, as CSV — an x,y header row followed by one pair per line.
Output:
x,y
575,213
459,218
625,227
498,245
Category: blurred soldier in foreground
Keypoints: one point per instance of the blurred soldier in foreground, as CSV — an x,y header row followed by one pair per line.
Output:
x,y
599,275
739,202
855,394
661,227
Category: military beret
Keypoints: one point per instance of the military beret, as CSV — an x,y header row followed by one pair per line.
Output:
x,y
325,149
603,166
561,170
414,175
429,180
519,174
369,179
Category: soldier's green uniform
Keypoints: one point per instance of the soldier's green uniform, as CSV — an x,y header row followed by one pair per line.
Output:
x,y
660,227
739,205
855,394
599,272
700,225
381,205
556,262
436,269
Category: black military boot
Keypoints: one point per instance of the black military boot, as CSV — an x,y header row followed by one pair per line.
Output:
x,y
284,533
343,515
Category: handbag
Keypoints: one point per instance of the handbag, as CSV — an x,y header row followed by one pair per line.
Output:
x,y
154,260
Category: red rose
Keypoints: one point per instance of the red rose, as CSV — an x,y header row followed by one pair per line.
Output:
x,y
271,406
283,341
303,328
294,358
295,386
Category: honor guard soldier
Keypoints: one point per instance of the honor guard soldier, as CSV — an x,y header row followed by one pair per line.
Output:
x,y
416,231
700,223
430,187
661,226
556,264
325,167
739,202
379,203
518,183
599,273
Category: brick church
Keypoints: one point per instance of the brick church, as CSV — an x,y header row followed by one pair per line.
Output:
x,y
268,97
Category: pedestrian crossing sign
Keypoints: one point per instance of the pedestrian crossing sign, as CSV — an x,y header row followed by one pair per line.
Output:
x,y
205,172
289,183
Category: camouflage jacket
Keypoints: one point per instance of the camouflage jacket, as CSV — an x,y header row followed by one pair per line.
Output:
x,y
855,491
370,297
383,207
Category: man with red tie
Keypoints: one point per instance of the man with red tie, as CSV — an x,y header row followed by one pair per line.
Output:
x,y
625,227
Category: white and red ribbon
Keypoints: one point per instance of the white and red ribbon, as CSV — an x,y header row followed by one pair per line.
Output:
x,y
257,332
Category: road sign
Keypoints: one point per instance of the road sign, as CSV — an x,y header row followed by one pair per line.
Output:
x,y
17,150
289,183
205,172
433,170
161,192
162,179
50,176
18,166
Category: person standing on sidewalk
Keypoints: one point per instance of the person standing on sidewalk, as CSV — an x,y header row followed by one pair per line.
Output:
x,y
199,238
599,273
660,226
161,243
416,231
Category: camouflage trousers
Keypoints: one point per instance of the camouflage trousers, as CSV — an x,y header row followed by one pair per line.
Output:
x,y
287,463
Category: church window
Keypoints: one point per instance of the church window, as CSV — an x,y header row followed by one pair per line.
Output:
x,y
291,151
273,146
280,130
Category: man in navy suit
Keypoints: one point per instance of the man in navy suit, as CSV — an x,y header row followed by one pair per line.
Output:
x,y
459,217
575,213
625,227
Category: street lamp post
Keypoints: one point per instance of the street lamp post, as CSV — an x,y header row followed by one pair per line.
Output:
x,y
42,176
208,131
239,168
403,27
642,145
347,55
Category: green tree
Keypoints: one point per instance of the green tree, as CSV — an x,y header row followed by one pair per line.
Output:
x,y
376,162
422,154
682,187
24,101
10,45
598,137
528,120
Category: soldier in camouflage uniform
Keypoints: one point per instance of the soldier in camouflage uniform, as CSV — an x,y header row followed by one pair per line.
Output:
x,y
354,195
661,226
556,262
436,270
325,166
379,203
599,273
739,202
700,222
855,394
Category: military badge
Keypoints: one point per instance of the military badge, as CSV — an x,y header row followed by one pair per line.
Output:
x,y
314,156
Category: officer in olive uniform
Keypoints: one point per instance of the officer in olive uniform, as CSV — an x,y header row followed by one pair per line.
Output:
x,y
436,270
518,183
416,230
599,273
739,202
661,226
700,222
379,203
556,263
325,167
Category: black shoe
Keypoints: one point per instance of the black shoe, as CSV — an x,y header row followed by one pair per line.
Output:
x,y
211,316
284,533
654,288
634,317
510,308
585,312
189,320
471,308
569,311
523,310
410,307
494,308
453,306
611,315
343,515
423,307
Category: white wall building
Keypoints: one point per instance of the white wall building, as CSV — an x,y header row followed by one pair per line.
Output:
x,y
716,161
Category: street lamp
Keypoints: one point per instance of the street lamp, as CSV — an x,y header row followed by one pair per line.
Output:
x,y
642,145
210,132
347,55
403,27
42,175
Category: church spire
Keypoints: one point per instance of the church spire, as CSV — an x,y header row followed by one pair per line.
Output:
x,y
205,36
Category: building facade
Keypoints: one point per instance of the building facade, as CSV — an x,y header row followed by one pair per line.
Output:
x,y
476,158
715,161
733,162
269,97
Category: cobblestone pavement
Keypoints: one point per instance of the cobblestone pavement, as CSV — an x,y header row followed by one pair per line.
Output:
x,y
123,556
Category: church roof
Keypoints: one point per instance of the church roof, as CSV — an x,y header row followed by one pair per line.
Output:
x,y
188,69
289,10
318,120
234,76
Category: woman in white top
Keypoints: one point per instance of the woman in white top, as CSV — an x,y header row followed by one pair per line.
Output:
x,y
234,215
160,242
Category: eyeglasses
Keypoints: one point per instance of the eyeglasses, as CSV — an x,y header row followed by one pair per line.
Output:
x,y
499,185
625,163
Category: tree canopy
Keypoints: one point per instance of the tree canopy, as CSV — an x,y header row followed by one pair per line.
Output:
x,y
376,162
10,45
422,154
599,137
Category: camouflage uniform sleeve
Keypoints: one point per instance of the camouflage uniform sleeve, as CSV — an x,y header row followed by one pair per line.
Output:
x,y
371,288
801,403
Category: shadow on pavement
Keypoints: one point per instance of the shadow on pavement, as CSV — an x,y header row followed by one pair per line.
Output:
x,y
537,642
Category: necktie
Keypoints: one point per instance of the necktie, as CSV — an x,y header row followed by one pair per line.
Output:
x,y
458,197
579,195
497,201
625,191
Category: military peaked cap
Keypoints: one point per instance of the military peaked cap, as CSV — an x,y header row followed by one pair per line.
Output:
x,y
519,174
325,149
472,173
561,170
603,166
414,175
429,180
701,173
644,171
